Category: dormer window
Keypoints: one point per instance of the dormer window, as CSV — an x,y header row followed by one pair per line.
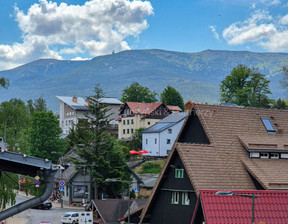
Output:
x,y
267,123
274,155
264,155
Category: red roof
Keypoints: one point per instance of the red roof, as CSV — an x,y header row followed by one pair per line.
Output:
x,y
174,108
142,108
270,208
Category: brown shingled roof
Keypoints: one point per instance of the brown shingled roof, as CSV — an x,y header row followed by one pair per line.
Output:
x,y
225,163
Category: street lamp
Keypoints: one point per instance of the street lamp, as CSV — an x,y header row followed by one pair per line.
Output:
x,y
230,193
126,182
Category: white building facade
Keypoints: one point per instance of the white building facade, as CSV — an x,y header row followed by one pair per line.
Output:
x,y
72,109
160,137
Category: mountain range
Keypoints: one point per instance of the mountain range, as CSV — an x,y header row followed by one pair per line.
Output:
x,y
196,76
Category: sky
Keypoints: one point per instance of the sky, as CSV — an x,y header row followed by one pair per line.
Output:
x,y
81,30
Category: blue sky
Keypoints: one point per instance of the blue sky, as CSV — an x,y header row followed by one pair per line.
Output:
x,y
78,29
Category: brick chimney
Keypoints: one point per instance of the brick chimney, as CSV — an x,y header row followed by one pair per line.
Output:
x,y
74,99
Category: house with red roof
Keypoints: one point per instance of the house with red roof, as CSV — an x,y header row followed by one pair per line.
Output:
x,y
221,148
269,207
135,115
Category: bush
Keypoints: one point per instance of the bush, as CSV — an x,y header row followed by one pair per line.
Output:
x,y
150,165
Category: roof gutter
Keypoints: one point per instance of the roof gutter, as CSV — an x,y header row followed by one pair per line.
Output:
x,y
49,181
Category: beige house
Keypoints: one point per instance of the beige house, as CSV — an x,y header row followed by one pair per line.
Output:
x,y
135,115
74,108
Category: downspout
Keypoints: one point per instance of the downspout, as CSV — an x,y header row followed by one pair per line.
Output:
x,y
16,209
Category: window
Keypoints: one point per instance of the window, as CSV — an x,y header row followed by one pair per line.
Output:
x,y
146,141
132,121
168,151
127,131
168,141
274,155
179,173
155,140
127,122
175,198
123,122
185,198
269,127
123,131
169,131
132,130
264,155
148,122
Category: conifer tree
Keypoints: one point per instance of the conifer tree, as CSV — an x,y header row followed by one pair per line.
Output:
x,y
96,148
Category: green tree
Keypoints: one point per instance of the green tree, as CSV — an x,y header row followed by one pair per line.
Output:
x,y
245,87
137,93
38,105
136,140
14,121
96,149
44,136
4,82
170,96
279,104
7,186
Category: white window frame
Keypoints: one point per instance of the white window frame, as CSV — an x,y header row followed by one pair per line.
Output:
x,y
179,173
175,197
170,131
185,198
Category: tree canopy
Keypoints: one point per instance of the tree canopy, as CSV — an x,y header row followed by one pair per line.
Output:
x,y
4,82
137,93
170,96
44,136
245,87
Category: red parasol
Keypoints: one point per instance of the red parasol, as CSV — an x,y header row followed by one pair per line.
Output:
x,y
143,151
133,152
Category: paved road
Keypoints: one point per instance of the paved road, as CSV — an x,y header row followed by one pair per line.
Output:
x,y
36,216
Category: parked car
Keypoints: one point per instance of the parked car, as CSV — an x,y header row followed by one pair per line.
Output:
x,y
45,205
70,217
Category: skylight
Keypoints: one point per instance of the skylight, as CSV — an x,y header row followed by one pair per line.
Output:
x,y
267,123
147,108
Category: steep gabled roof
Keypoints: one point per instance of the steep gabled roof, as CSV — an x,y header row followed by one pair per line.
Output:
x,y
271,207
110,210
223,162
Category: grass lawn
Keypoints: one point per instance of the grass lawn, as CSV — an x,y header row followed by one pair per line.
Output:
x,y
150,167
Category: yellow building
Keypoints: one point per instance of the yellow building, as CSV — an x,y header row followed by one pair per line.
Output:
x,y
134,115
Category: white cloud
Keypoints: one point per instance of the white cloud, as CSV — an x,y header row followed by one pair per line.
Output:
x,y
261,29
284,20
215,34
94,28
